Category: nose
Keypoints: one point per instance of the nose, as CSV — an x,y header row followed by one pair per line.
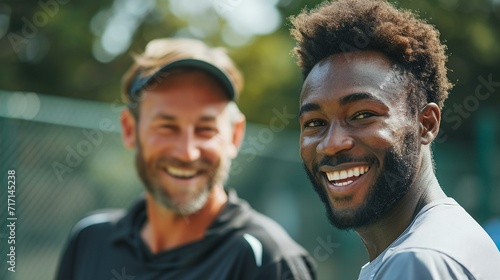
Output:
x,y
186,149
336,140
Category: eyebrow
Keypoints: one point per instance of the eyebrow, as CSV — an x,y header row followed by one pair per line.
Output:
x,y
166,117
308,107
207,119
351,98
173,118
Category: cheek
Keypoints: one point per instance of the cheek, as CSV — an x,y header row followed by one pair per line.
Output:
x,y
382,138
216,148
144,133
224,142
155,144
389,137
386,132
155,141
307,148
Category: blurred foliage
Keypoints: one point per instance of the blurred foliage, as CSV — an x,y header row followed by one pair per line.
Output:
x,y
51,51
58,59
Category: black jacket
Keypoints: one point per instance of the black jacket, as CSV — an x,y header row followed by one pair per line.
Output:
x,y
240,244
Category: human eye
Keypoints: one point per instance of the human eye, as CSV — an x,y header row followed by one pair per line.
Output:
x,y
206,130
362,115
167,126
164,127
313,123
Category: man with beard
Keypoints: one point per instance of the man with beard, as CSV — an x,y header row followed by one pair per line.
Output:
x,y
370,107
182,119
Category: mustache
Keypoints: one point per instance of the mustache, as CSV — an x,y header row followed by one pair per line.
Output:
x,y
342,158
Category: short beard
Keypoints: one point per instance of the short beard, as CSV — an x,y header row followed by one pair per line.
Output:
x,y
218,176
193,206
392,184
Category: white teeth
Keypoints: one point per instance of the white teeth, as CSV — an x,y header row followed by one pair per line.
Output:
x,y
362,170
342,184
329,175
344,174
180,172
356,171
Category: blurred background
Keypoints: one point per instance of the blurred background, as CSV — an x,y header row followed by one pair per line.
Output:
x,y
61,62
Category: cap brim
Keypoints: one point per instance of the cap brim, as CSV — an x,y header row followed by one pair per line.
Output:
x,y
154,79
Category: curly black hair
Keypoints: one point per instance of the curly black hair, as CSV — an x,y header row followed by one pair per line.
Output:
x,y
350,25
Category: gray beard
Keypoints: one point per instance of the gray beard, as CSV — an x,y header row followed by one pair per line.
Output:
x,y
193,206
218,176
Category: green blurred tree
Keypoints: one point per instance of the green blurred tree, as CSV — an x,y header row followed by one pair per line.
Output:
x,y
48,47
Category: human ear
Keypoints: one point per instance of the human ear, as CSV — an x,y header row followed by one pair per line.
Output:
x,y
128,123
430,118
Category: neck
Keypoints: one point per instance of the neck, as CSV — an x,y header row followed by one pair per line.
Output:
x,y
425,189
165,229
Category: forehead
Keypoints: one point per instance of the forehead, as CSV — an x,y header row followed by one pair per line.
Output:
x,y
185,93
357,72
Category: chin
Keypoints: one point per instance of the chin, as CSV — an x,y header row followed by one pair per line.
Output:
x,y
349,218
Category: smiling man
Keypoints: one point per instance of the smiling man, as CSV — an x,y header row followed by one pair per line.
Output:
x,y
374,86
182,119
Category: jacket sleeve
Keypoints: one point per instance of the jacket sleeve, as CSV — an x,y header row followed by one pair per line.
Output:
x,y
417,264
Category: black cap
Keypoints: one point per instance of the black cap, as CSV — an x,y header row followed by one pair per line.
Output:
x,y
141,83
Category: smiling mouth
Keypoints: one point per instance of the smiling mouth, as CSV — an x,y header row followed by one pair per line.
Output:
x,y
347,176
181,173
